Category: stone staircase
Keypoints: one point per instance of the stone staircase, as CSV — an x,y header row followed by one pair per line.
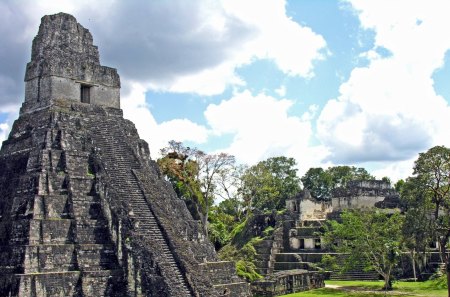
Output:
x,y
119,159
356,273
66,228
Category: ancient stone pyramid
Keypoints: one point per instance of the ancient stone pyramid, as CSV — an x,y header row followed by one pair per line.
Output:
x,y
84,211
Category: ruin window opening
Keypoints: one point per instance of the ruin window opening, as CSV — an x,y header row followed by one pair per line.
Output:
x,y
85,93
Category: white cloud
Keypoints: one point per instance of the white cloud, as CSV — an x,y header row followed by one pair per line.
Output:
x,y
396,170
157,135
262,128
183,130
174,46
225,36
4,130
389,110
291,46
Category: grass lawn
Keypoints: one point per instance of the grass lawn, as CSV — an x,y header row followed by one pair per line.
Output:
x,y
373,289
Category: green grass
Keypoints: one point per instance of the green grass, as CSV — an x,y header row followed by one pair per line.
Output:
x,y
374,289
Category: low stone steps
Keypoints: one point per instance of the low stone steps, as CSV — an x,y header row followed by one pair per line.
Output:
x,y
356,273
263,246
354,276
301,256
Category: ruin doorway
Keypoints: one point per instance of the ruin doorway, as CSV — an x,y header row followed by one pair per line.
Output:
x,y
302,243
85,94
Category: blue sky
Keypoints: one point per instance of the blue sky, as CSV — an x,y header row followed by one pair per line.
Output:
x,y
361,83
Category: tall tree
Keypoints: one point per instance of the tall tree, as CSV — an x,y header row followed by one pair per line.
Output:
x,y
417,228
370,238
195,176
268,184
230,189
432,169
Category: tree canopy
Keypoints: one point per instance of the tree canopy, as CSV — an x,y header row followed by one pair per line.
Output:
x,y
430,190
268,184
321,182
368,237
195,176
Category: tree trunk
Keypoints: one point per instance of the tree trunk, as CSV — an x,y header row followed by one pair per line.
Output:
x,y
414,264
205,225
388,282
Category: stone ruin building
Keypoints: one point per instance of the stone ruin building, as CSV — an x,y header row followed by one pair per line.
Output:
x,y
84,210
289,258
306,216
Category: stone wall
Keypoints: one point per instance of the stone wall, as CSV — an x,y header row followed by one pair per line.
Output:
x,y
48,88
361,194
61,63
287,282
307,208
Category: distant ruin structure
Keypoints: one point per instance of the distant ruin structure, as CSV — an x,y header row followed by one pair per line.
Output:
x,y
289,259
84,210
360,194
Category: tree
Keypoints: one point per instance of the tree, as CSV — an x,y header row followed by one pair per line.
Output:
x,y
432,170
221,224
194,176
341,175
268,184
371,238
230,189
319,182
417,230
322,182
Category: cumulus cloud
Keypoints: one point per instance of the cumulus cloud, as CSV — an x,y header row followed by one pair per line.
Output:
x,y
291,46
157,135
13,53
389,109
174,46
262,128
395,170
19,22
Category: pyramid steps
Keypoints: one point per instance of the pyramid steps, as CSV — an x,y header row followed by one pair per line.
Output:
x,y
118,157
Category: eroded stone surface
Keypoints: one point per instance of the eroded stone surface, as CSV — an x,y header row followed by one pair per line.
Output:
x,y
84,211
65,64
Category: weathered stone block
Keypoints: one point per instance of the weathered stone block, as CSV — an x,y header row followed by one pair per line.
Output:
x,y
49,284
50,258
